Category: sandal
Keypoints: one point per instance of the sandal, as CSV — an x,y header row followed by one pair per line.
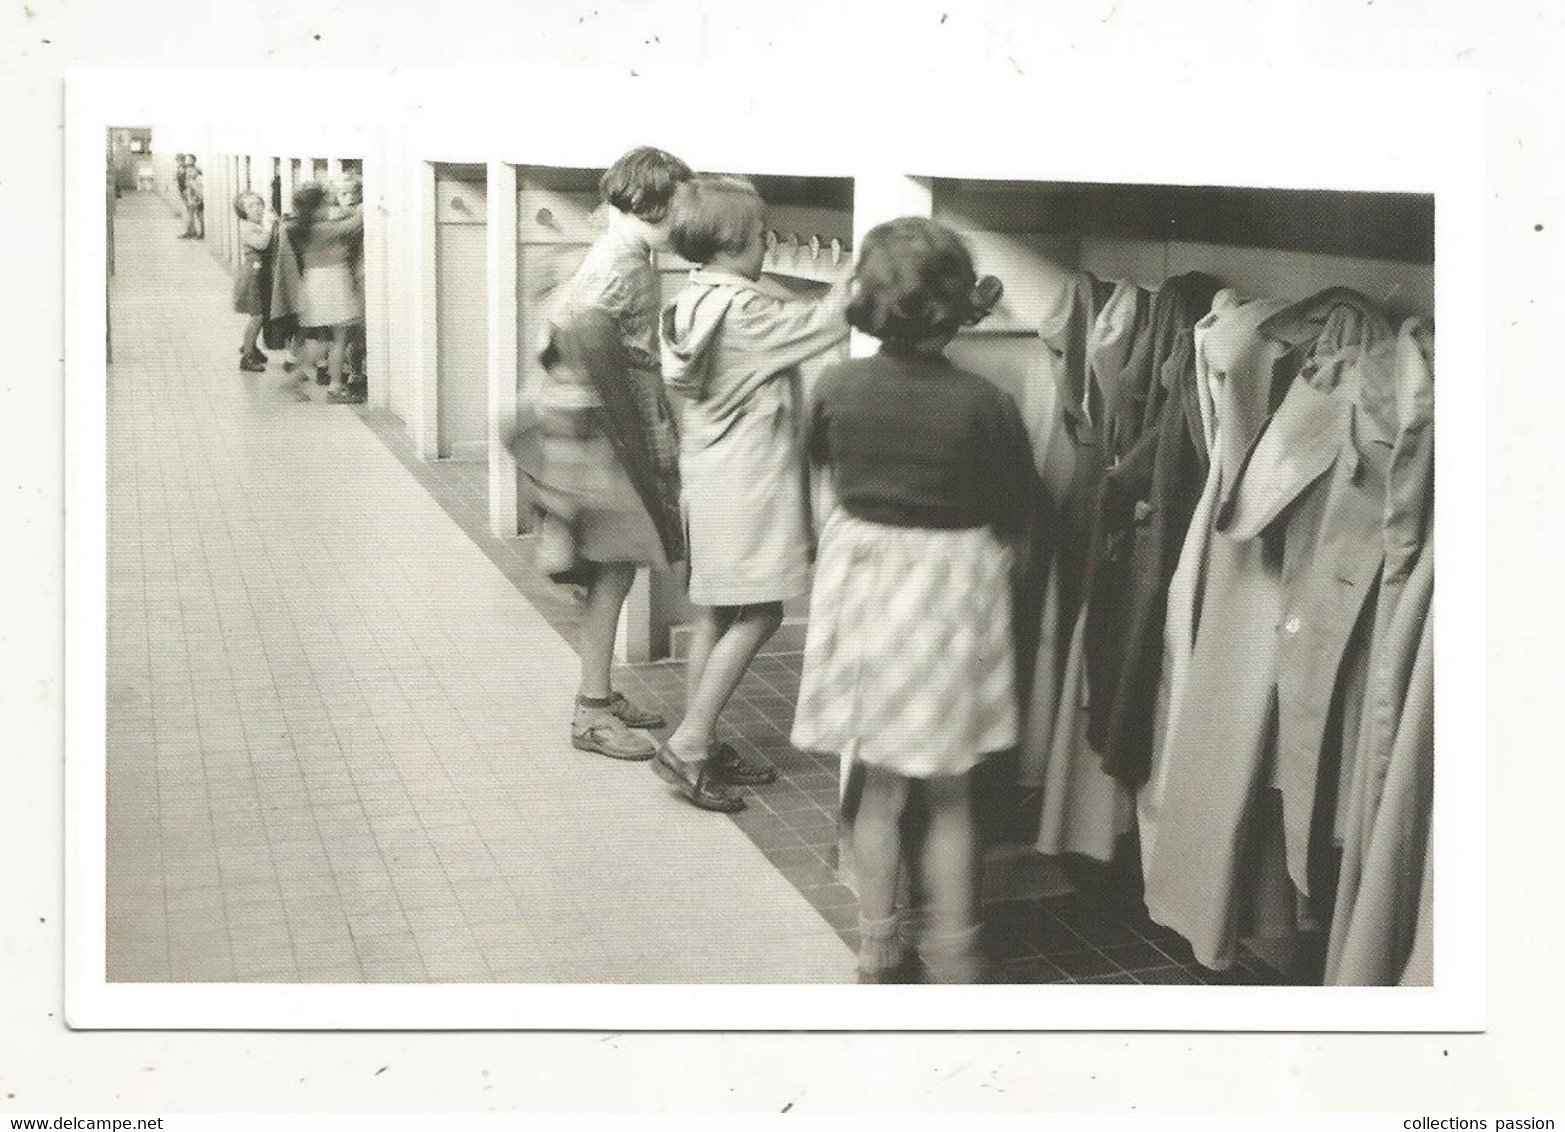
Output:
x,y
695,782
632,716
600,733
344,396
732,767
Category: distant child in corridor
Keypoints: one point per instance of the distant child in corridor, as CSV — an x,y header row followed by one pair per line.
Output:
x,y
731,347
908,665
253,283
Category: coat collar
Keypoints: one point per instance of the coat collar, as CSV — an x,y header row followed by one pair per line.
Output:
x,y
1299,445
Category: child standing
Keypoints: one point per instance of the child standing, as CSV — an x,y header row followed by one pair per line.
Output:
x,y
608,485
253,284
908,665
195,201
731,347
328,299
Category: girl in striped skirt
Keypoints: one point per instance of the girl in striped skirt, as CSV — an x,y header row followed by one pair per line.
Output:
x,y
908,665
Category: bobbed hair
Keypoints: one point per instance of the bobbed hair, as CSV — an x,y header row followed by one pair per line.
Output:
x,y
913,280
642,182
713,214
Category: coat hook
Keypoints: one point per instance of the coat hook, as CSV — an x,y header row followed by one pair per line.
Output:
x,y
836,249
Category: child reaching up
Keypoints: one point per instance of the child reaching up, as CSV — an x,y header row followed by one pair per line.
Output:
x,y
732,343
908,664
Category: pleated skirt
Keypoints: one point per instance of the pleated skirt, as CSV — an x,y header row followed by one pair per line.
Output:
x,y
908,659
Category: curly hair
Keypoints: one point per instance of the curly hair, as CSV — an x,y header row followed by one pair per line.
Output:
x,y
714,214
642,182
914,280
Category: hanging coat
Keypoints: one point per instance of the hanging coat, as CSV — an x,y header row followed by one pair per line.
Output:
x,y
1380,927
282,320
1293,564
1063,334
1143,511
1084,811
1231,407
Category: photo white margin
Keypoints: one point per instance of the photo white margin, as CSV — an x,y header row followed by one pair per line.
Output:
x,y
1271,128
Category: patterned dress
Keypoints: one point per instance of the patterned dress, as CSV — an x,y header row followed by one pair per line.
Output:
x,y
618,463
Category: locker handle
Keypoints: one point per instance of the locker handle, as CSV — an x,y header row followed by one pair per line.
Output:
x,y
545,218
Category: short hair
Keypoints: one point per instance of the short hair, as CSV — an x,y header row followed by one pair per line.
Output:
x,y
714,214
241,197
308,197
914,279
642,182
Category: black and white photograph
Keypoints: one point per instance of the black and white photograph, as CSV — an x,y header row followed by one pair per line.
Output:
x,y
780,558
578,559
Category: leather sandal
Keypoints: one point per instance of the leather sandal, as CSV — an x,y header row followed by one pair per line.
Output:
x,y
632,716
606,735
732,767
695,782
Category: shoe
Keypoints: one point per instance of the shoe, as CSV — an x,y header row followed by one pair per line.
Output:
x,y
734,768
250,365
632,716
603,733
695,782
342,396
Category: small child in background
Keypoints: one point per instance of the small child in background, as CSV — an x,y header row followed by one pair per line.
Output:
x,y
908,665
253,283
350,196
732,343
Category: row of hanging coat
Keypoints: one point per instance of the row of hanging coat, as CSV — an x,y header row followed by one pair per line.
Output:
x,y
1234,654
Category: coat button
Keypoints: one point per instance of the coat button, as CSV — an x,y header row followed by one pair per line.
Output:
x,y
1292,625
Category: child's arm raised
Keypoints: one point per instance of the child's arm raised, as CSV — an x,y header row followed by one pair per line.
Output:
x,y
794,331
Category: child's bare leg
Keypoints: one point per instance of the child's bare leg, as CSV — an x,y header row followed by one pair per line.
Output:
x,y
600,623
556,544
950,862
335,353
252,332
726,663
710,623
877,854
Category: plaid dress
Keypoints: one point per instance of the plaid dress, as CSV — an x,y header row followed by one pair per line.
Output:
x,y
615,479
908,660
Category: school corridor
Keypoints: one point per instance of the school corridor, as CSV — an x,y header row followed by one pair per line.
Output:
x,y
337,741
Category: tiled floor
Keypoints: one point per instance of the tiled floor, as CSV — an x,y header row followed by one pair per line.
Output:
x,y
336,732
334,722
1100,934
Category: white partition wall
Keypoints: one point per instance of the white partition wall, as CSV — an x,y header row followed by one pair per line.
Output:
x,y
423,315
504,519
377,278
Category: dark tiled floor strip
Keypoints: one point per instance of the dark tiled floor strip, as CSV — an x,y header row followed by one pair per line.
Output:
x,y
1100,934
